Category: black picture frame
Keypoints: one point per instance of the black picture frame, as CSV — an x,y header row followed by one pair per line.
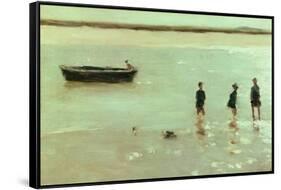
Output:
x,y
34,98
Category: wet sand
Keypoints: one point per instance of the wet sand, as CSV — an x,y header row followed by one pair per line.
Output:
x,y
117,154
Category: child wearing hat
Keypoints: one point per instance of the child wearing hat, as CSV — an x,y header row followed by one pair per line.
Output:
x,y
232,100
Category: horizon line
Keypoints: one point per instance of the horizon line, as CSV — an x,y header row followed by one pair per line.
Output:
x,y
153,28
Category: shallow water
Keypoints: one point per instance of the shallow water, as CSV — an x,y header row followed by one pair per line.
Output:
x,y
116,154
89,121
162,94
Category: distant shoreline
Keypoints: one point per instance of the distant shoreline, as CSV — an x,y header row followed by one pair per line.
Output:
x,y
162,28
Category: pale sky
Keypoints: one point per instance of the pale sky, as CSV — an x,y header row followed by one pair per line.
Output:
x,y
147,17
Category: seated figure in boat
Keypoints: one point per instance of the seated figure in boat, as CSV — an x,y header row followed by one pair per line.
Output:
x,y
129,66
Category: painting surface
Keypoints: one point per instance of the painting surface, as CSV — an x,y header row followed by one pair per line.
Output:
x,y
96,131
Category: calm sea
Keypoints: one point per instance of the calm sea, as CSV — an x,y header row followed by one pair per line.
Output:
x,y
162,95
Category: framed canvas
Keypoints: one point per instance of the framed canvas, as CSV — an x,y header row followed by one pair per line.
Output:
x,y
123,94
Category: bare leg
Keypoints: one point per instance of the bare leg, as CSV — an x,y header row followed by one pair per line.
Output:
x,y
198,111
203,111
259,113
253,113
199,125
232,123
234,113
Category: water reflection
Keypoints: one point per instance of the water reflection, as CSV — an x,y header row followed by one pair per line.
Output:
x,y
76,84
233,132
256,126
200,130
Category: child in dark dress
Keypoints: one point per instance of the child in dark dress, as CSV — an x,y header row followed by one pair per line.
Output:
x,y
255,98
200,99
232,100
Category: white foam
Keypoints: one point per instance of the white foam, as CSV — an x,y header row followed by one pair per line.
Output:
x,y
211,134
251,160
238,165
237,151
214,164
178,152
230,166
195,172
181,63
134,155
151,150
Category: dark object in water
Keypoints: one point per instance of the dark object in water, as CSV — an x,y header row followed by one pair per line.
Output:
x,y
134,131
169,134
98,74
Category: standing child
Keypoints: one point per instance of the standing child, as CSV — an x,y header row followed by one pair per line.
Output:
x,y
232,100
255,98
200,99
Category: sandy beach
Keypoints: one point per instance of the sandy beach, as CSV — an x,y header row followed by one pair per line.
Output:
x,y
116,154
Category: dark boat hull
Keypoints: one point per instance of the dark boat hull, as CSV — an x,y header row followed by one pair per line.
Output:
x,y
98,74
